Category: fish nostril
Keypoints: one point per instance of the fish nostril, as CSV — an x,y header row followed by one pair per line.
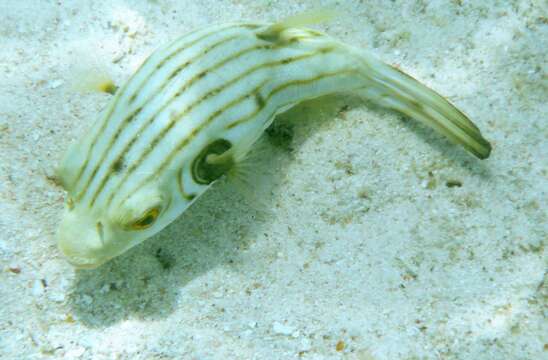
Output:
x,y
70,203
99,226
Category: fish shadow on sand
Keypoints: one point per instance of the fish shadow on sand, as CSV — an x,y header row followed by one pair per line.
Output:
x,y
149,280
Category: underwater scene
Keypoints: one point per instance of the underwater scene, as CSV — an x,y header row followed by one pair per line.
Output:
x,y
262,179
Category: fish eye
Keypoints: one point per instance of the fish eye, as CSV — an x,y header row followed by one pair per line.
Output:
x,y
146,220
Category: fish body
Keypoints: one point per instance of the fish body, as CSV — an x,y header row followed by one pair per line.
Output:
x,y
194,109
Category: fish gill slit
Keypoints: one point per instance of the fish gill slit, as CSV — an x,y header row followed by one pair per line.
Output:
x,y
180,180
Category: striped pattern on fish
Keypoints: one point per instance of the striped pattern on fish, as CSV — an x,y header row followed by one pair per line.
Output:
x,y
194,109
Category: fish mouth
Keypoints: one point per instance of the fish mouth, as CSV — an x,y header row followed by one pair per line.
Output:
x,y
81,239
84,266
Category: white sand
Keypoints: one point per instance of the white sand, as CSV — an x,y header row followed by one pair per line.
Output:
x,y
357,249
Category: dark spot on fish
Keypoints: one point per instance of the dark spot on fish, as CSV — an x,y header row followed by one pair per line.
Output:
x,y
132,116
210,94
269,35
118,165
175,73
202,74
259,99
326,50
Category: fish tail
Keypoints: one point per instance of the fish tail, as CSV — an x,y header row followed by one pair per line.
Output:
x,y
392,88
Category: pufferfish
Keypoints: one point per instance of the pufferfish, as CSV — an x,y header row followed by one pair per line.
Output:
x,y
193,110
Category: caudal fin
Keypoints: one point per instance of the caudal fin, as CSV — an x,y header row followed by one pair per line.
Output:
x,y
392,88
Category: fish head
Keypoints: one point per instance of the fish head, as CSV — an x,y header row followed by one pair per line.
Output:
x,y
130,209
90,236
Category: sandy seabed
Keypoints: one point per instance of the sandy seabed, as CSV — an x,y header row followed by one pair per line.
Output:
x,y
370,237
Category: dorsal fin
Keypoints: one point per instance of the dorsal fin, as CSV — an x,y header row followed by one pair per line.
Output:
x,y
312,17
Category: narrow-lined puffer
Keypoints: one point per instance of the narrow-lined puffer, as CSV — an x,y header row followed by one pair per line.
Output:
x,y
194,109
